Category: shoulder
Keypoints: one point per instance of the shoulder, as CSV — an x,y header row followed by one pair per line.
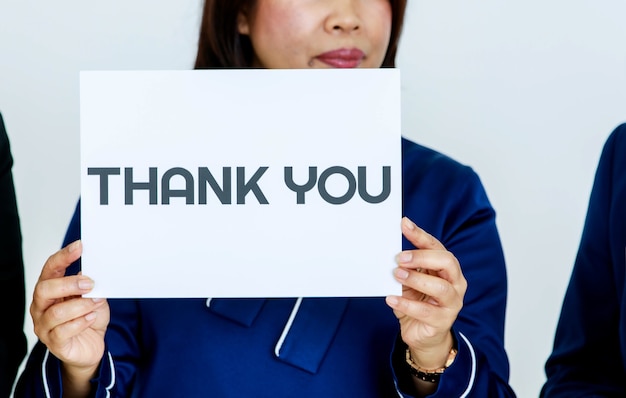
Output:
x,y
439,193
6,160
420,163
4,140
414,152
612,164
616,143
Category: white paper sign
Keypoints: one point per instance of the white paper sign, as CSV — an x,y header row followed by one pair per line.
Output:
x,y
241,183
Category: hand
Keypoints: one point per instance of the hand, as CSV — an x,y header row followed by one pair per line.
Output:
x,y
72,327
433,288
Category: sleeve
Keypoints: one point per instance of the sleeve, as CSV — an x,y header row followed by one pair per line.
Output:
x,y
42,374
12,289
459,214
586,360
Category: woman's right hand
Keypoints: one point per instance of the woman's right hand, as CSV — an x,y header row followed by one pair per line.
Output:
x,y
72,327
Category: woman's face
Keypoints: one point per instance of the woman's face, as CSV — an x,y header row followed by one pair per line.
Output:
x,y
295,34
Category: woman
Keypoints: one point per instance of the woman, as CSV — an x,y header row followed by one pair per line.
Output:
x,y
592,326
12,338
448,342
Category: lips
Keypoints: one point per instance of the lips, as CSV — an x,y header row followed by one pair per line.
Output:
x,y
342,58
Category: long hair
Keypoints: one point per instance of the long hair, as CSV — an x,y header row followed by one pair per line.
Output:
x,y
221,46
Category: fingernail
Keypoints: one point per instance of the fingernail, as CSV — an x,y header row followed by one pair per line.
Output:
x,y
73,246
408,224
97,300
404,257
392,300
91,316
401,273
85,284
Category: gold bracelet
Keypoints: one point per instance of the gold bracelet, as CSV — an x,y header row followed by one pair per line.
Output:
x,y
429,375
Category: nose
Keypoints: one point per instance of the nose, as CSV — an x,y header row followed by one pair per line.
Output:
x,y
344,16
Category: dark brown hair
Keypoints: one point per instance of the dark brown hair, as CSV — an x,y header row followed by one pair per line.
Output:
x,y
221,46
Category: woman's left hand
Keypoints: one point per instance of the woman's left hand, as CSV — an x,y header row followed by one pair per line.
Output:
x,y
433,288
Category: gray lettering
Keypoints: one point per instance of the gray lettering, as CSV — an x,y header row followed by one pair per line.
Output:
x,y
167,193
223,194
104,173
321,185
130,185
252,185
300,190
386,186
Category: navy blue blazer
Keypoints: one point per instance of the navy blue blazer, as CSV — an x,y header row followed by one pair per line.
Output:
x,y
335,347
589,355
12,296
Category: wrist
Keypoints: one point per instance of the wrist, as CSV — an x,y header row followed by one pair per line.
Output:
x,y
428,365
77,379
433,356
430,375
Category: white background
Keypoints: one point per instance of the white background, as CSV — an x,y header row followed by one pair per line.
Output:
x,y
523,91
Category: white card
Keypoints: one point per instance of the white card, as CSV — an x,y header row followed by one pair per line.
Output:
x,y
241,183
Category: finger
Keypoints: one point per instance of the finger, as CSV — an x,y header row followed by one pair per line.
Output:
x,y
61,334
48,292
56,264
65,312
433,315
420,238
437,290
441,262
103,312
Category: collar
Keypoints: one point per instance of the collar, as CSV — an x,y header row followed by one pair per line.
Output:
x,y
308,332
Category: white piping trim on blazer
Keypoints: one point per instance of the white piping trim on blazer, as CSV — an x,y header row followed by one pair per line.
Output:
x,y
287,327
44,373
473,374
292,316
108,389
395,384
